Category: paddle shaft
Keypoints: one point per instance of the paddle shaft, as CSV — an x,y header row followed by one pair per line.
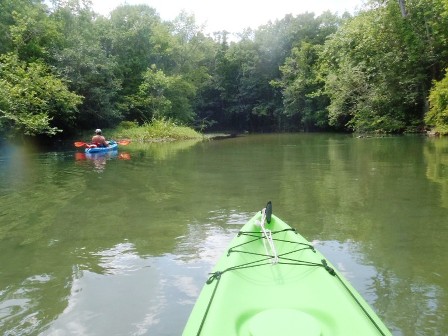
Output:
x,y
120,142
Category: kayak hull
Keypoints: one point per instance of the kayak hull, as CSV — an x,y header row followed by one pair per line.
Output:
x,y
301,294
113,146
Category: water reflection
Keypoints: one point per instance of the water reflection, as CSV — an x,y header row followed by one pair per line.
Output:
x,y
16,165
436,155
99,160
121,259
395,296
162,150
146,231
110,301
131,296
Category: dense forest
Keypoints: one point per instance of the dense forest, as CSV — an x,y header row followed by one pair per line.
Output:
x,y
65,68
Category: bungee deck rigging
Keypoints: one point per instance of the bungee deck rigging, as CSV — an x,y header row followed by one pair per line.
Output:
x,y
270,272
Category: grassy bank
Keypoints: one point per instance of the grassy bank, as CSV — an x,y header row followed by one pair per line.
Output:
x,y
154,131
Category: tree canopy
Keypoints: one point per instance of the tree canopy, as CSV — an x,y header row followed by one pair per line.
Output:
x,y
64,67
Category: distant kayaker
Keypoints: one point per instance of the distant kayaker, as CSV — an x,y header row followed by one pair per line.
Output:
x,y
99,140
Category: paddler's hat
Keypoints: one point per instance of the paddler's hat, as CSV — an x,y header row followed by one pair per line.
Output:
x,y
98,131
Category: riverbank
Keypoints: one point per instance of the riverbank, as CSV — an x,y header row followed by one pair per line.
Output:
x,y
162,130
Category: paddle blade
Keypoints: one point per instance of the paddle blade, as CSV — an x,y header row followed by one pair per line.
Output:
x,y
79,144
123,142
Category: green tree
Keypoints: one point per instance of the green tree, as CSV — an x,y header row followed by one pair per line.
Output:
x,y
161,96
288,53
211,103
193,59
33,34
437,115
356,58
32,100
138,39
303,106
86,62
378,67
8,10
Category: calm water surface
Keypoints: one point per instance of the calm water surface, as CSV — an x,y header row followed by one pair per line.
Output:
x,y
121,244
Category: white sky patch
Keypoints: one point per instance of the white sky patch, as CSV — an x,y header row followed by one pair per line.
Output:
x,y
234,15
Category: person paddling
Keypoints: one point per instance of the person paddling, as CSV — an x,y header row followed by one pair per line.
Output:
x,y
99,140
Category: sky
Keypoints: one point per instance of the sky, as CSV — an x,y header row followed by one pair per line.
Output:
x,y
233,15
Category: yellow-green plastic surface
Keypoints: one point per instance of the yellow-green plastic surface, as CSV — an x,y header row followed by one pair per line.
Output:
x,y
261,298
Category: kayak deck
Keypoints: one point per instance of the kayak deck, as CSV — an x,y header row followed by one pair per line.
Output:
x,y
289,289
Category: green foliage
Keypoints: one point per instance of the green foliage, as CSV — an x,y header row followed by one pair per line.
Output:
x,y
375,68
299,85
162,96
86,64
160,129
32,100
368,73
34,35
127,124
137,39
437,115
8,10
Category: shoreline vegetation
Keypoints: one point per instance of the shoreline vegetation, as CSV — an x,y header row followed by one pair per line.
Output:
x,y
65,69
158,130
167,130
161,130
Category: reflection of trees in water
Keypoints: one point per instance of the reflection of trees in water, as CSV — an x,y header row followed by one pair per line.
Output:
x,y
436,156
60,218
374,191
57,216
411,305
162,150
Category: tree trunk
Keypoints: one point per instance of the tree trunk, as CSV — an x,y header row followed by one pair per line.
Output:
x,y
402,4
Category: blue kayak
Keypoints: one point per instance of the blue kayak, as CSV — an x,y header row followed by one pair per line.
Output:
x,y
113,146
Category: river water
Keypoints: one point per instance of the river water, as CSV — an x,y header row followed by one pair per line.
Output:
x,y
122,244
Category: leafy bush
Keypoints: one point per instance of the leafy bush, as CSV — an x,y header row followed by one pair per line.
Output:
x,y
32,100
127,124
156,130
437,115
